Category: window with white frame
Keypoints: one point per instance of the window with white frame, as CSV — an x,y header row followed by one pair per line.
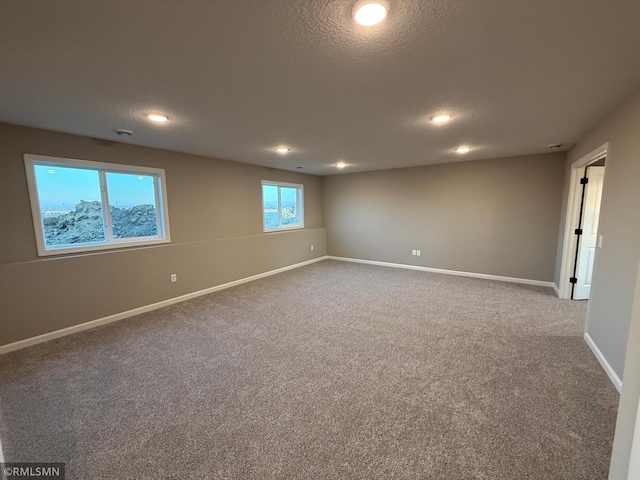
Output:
x,y
282,206
80,206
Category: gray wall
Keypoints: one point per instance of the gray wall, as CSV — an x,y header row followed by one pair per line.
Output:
x,y
497,217
216,233
628,420
616,264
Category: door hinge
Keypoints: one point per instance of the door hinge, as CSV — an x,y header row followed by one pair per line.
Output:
x,y
578,231
584,180
573,280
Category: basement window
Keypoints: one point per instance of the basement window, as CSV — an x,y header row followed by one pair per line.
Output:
x,y
282,206
69,200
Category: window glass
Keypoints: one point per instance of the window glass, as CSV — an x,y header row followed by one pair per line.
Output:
x,y
132,200
271,206
289,203
70,206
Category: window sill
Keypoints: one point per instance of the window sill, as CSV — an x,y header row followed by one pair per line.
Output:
x,y
99,248
283,229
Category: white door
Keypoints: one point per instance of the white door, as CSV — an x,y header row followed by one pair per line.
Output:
x,y
589,238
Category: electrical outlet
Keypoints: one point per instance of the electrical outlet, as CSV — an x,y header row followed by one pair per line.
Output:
x,y
413,252
174,278
418,252
312,248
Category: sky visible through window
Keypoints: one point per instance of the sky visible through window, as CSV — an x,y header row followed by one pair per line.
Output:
x,y
289,196
61,188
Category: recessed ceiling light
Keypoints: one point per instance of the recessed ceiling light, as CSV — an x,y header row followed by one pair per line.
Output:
x,y
463,149
341,164
158,118
441,118
555,145
282,150
370,12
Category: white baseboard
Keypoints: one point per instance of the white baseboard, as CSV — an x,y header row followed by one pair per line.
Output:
x,y
603,361
556,289
147,308
525,281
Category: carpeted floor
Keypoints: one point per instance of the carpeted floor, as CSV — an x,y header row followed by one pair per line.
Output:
x,y
330,371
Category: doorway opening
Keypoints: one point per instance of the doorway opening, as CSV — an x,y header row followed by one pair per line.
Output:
x,y
587,232
580,233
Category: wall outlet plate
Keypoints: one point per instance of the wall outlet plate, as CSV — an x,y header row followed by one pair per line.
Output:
x,y
174,278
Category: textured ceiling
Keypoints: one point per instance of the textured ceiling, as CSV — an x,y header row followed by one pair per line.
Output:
x,y
239,77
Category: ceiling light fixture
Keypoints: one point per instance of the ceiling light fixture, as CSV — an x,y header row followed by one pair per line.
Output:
x,y
282,150
441,118
340,164
370,12
463,149
157,118
555,145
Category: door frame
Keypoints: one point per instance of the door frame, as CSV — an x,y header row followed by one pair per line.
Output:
x,y
573,212
591,202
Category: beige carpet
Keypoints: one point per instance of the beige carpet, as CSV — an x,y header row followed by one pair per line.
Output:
x,y
331,371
